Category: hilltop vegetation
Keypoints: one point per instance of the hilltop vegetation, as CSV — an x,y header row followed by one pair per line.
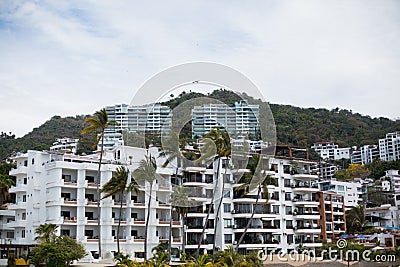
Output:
x,y
295,126
305,126
42,137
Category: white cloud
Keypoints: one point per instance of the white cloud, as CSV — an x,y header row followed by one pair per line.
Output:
x,y
67,58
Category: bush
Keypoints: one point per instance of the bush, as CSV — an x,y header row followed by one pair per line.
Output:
x,y
60,251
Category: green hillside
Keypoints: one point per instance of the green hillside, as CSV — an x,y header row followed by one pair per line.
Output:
x,y
295,126
305,126
43,136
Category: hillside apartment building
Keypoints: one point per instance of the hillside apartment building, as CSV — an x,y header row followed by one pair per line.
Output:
x,y
61,189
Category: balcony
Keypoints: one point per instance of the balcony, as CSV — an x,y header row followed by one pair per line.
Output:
x,y
137,204
197,211
16,224
305,201
70,202
91,221
117,220
302,229
117,204
18,188
18,171
309,242
137,221
91,239
300,186
17,206
311,215
70,184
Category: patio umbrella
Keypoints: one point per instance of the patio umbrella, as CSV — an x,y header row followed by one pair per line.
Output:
x,y
377,248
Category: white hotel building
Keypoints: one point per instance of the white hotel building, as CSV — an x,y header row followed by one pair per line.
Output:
x,y
61,189
149,118
241,118
389,147
351,191
329,150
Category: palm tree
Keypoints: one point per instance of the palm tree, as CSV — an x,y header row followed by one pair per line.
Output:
x,y
181,202
217,146
262,182
118,185
356,218
98,123
170,150
46,232
146,172
5,184
230,257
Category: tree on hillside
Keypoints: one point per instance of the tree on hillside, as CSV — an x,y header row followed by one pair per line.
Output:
x,y
6,181
353,171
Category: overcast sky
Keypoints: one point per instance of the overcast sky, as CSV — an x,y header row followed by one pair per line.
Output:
x,y
75,57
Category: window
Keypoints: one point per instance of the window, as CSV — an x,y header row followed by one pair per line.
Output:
x,y
288,210
228,239
289,224
10,234
275,209
290,239
227,223
286,169
288,196
133,233
24,198
66,178
227,193
227,208
23,234
277,224
286,183
89,233
65,232
33,161
23,216
25,180
274,167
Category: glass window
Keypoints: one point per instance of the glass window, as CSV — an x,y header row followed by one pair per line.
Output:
x,y
227,223
227,208
275,209
228,239
227,193
290,239
288,210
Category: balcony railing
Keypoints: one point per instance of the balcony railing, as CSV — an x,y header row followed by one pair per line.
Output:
x,y
307,241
